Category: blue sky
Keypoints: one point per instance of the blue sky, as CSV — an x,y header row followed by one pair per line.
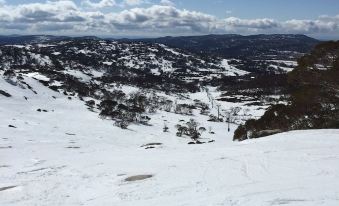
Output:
x,y
318,18
278,9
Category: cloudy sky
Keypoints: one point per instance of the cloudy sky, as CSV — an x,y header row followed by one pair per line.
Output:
x,y
142,18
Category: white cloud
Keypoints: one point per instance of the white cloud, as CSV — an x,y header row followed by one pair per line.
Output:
x,y
310,26
101,4
56,11
133,2
163,19
251,23
49,16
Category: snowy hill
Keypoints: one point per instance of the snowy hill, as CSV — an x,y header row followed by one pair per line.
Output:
x,y
90,67
91,54
63,154
255,53
102,74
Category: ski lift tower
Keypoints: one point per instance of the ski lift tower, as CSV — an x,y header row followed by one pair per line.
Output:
x,y
228,119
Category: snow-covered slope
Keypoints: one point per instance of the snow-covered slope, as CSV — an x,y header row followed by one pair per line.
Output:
x,y
67,155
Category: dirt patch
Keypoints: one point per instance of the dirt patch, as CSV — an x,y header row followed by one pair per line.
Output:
x,y
137,178
71,147
151,145
8,147
35,170
6,188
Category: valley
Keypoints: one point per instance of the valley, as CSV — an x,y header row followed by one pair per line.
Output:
x,y
90,121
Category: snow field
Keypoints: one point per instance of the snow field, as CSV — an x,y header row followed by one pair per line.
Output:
x,y
69,156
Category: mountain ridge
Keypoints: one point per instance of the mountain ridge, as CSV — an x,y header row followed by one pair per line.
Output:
x,y
239,46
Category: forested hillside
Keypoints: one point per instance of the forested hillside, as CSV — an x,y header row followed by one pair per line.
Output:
x,y
314,101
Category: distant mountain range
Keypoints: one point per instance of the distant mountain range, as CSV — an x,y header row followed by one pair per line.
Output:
x,y
276,46
32,39
238,46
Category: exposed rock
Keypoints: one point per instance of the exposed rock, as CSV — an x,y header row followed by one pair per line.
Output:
x,y
6,188
151,144
5,93
137,178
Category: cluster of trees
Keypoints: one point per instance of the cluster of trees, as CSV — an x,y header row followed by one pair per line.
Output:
x,y
254,85
16,80
314,97
204,108
190,129
184,109
146,80
231,115
134,107
125,109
